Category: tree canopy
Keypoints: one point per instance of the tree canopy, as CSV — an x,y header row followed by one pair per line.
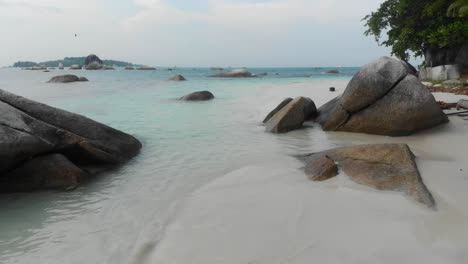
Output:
x,y
416,25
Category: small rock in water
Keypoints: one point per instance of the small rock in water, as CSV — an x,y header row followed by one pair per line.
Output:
x,y
333,71
67,78
198,96
178,78
241,73
332,89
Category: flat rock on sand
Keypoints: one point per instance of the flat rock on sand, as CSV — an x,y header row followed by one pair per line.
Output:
x,y
32,133
381,166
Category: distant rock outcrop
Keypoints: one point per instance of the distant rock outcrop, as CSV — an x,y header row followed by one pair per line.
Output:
x,y
146,68
240,73
381,166
216,69
92,58
44,147
384,99
129,68
67,78
75,67
334,71
198,96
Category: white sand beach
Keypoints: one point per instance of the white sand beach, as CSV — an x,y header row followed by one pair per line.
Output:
x,y
271,212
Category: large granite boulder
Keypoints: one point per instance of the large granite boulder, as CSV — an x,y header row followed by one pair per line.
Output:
x,y
381,166
92,58
67,78
291,116
384,99
178,78
30,130
240,73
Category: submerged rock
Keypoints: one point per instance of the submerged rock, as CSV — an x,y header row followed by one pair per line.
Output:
x,y
381,166
198,96
52,171
384,99
67,78
240,73
334,71
178,78
31,131
291,116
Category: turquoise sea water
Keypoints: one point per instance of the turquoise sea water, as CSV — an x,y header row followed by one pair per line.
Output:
x,y
120,214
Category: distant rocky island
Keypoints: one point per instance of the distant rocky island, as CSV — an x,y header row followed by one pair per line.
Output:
x,y
68,61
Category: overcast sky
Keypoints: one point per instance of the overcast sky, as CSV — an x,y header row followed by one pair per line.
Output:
x,y
190,32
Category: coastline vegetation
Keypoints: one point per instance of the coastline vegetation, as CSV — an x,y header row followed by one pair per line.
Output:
x,y
68,61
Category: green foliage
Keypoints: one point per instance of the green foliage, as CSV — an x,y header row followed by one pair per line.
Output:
x,y
25,64
415,25
68,61
458,8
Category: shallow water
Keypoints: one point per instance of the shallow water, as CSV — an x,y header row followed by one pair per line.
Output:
x,y
120,216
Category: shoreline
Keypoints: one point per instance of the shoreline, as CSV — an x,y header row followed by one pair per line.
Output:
x,y
246,216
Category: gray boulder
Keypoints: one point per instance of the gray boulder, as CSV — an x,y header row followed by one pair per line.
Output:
x,y
381,166
198,96
240,73
67,78
291,116
384,99
30,130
